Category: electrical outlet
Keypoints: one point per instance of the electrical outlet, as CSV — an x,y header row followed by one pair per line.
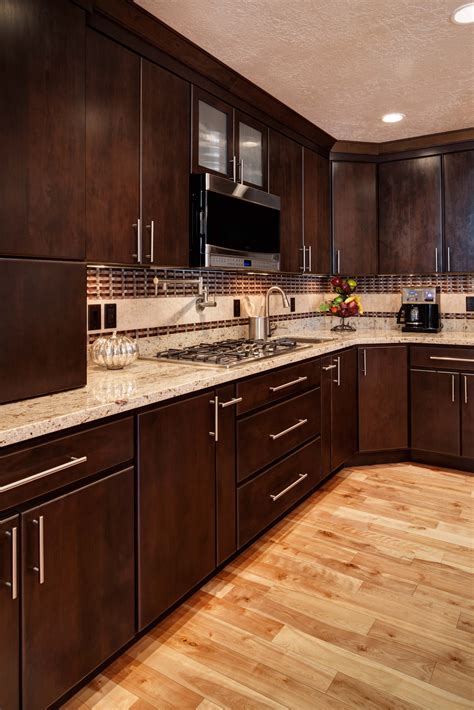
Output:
x,y
94,317
469,304
236,307
292,304
110,315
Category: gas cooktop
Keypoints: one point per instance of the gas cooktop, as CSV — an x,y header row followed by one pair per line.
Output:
x,y
230,353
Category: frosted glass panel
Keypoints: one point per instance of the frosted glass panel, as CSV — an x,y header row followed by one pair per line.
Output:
x,y
212,138
250,148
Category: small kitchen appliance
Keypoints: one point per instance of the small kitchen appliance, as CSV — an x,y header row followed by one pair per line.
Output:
x,y
420,310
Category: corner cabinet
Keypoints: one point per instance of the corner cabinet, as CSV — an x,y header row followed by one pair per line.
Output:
x,y
354,216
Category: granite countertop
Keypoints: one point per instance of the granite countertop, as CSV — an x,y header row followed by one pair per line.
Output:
x,y
146,382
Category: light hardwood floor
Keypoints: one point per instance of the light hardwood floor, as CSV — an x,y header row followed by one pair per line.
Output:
x,y
363,597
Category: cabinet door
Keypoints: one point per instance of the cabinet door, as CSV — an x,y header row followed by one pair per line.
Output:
x,y
354,210
410,225
165,166
112,151
9,614
467,416
383,398
78,585
458,173
316,236
344,408
212,136
286,180
43,328
251,145
226,524
177,517
42,53
435,411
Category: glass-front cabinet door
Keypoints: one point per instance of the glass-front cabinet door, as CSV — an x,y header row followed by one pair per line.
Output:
x,y
212,135
252,151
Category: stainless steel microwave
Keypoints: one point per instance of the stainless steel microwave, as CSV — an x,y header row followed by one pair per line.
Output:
x,y
233,226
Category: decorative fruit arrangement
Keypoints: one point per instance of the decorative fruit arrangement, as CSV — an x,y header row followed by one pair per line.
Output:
x,y
344,304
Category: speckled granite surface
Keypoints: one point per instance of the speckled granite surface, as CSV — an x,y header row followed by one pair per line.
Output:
x,y
113,392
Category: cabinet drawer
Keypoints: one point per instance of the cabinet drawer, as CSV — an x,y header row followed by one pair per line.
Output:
x,y
266,497
442,358
264,437
278,384
40,469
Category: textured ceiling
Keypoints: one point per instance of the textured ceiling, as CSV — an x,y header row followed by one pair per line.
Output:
x,y
343,63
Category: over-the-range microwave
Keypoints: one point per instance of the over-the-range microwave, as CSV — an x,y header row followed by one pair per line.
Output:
x,y
233,226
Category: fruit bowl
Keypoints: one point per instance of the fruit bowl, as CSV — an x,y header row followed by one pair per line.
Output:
x,y
345,304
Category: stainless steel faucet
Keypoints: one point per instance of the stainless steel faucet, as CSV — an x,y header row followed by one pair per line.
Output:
x,y
286,304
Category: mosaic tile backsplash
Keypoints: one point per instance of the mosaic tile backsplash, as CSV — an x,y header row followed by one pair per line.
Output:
x,y
160,302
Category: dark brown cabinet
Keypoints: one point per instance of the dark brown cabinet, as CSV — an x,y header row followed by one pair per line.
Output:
x,y
165,167
251,150
354,214
226,521
9,613
467,415
338,409
177,502
42,47
78,585
42,327
458,178
383,398
112,152
410,222
286,180
212,136
316,211
435,411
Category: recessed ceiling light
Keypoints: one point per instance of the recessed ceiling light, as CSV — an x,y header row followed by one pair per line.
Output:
x,y
463,15
393,117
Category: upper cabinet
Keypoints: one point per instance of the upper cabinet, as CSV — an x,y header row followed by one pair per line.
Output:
x,y
227,142
316,210
458,172
137,163
42,48
286,180
354,187
410,216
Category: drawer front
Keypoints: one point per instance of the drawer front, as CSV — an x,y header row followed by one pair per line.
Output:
x,y
39,469
274,432
278,384
442,358
266,497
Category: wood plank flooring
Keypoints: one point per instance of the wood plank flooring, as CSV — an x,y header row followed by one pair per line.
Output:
x,y
363,597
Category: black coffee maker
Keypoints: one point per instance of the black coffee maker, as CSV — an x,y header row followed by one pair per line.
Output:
x,y
420,310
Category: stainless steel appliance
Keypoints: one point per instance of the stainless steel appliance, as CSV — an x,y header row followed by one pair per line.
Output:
x,y
420,310
233,225
230,353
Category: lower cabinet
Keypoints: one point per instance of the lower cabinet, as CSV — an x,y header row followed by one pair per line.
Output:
x,y
9,614
467,415
78,586
383,398
435,411
177,502
339,409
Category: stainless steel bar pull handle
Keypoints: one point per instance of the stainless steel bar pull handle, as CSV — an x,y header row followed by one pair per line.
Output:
x,y
215,433
241,171
288,384
453,388
73,461
236,400
465,390
299,423
303,249
436,259
364,370
151,227
329,367
138,255
338,376
234,168
452,359
13,584
40,568
338,261
300,478
310,254
449,258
